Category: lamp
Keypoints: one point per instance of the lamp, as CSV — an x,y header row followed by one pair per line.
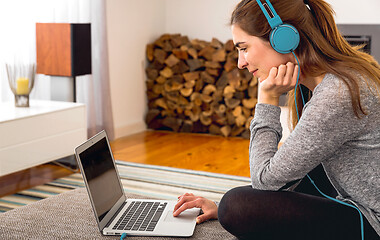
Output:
x,y
64,49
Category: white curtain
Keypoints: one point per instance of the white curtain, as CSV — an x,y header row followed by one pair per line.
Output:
x,y
18,44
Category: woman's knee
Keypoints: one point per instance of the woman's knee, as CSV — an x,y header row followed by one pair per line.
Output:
x,y
232,206
242,211
230,197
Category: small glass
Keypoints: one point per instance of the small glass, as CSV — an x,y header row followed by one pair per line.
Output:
x,y
21,81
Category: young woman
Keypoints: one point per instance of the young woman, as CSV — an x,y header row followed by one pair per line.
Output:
x,y
339,127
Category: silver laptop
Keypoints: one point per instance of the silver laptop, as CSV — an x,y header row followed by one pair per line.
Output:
x,y
114,212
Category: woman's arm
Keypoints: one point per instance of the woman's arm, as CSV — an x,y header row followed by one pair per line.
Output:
x,y
328,121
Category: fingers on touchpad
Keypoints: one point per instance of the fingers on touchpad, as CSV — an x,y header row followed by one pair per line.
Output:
x,y
185,216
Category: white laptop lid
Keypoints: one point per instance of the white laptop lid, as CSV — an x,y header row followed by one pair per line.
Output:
x,y
102,180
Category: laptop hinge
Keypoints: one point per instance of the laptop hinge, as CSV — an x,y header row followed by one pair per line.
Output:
x,y
114,216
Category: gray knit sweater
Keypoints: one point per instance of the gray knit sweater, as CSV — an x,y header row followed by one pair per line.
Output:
x,y
328,133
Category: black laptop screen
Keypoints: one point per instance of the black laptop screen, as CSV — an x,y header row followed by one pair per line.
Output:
x,y
101,177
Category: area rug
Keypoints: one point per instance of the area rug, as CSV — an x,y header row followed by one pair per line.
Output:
x,y
142,179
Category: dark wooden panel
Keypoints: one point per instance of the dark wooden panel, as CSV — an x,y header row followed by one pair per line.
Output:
x,y
81,48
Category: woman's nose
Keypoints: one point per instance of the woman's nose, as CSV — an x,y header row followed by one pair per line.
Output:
x,y
242,63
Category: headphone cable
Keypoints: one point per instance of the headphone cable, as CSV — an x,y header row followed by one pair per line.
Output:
x,y
311,180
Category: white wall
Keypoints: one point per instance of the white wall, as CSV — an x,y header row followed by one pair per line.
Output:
x,y
356,12
130,26
134,23
203,19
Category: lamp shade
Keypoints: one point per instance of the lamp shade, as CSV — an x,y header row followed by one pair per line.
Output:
x,y
63,49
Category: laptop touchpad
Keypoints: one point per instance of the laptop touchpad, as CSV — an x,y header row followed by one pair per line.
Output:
x,y
186,216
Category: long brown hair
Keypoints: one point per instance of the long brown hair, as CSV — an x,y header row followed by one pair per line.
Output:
x,y
322,48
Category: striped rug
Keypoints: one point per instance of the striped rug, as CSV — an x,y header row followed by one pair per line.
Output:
x,y
147,180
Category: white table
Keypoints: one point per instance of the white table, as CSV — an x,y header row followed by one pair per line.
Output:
x,y
44,132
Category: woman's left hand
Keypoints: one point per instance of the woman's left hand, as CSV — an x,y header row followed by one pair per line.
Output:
x,y
280,80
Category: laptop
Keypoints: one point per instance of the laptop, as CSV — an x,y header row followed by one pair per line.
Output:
x,y
115,213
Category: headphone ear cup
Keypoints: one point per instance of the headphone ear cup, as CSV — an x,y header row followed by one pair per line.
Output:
x,y
284,38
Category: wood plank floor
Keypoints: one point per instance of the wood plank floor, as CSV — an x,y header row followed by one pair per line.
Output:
x,y
182,150
12,183
185,150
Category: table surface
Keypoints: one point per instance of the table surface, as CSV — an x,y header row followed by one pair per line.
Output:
x,y
9,112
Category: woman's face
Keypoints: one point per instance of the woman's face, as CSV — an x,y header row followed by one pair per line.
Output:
x,y
255,54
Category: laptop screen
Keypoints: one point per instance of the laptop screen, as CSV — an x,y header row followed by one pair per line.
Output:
x,y
102,178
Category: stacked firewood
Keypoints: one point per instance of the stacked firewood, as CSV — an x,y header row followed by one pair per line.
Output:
x,y
195,86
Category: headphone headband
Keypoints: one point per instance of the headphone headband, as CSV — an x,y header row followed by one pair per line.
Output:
x,y
274,21
284,38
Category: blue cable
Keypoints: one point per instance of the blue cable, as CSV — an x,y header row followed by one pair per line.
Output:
x,y
341,202
295,88
123,236
311,180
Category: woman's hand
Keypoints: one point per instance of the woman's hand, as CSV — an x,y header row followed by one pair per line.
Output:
x,y
280,80
188,200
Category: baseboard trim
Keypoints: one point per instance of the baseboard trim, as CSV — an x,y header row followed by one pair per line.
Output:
x,y
129,129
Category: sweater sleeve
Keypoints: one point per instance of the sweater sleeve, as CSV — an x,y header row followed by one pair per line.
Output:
x,y
328,121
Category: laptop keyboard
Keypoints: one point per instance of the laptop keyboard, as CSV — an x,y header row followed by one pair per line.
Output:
x,y
140,216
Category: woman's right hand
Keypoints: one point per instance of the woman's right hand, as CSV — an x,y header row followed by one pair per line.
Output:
x,y
280,80
188,200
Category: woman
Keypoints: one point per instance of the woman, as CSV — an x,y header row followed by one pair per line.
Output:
x,y
339,128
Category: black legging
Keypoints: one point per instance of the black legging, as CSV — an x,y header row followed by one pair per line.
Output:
x,y
248,213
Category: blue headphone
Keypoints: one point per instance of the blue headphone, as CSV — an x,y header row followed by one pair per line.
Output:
x,y
284,38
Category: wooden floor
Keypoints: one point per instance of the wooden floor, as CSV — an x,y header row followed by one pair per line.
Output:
x,y
182,150
12,183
